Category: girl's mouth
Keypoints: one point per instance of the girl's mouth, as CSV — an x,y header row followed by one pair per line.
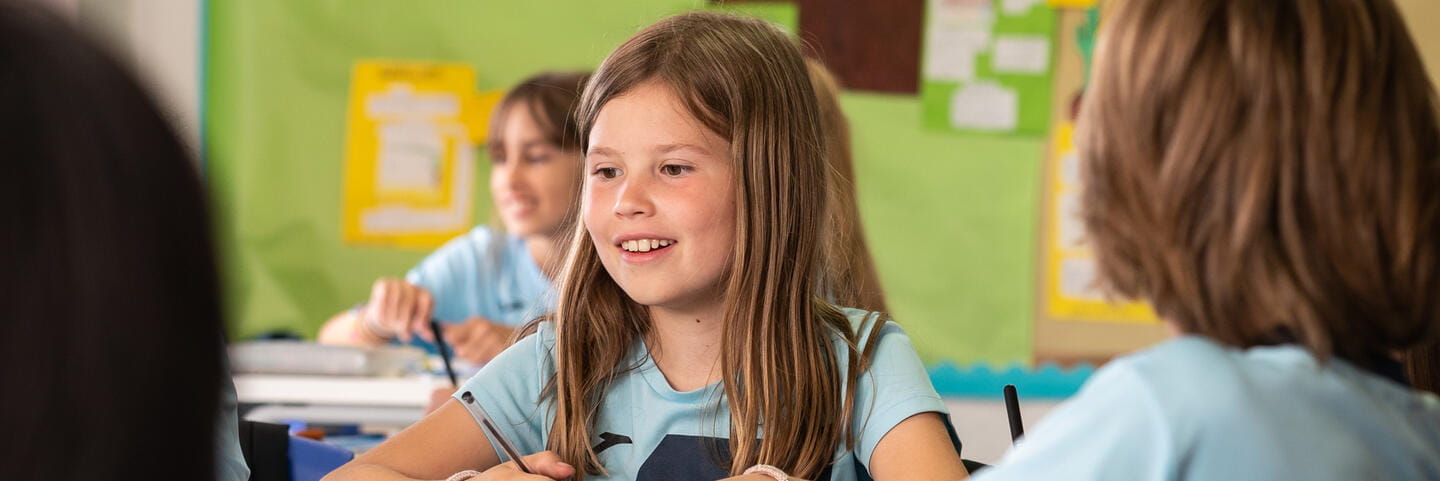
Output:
x,y
645,245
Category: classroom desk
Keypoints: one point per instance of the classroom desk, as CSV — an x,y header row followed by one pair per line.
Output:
x,y
388,402
398,402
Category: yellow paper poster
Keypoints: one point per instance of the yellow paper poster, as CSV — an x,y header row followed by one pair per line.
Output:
x,y
1070,271
1072,3
409,154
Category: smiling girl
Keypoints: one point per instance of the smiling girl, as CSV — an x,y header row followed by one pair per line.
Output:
x,y
486,282
688,342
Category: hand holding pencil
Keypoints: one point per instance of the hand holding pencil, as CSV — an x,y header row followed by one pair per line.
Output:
x,y
546,465
478,339
398,309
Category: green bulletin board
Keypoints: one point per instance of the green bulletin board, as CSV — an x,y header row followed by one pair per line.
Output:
x,y
785,15
950,218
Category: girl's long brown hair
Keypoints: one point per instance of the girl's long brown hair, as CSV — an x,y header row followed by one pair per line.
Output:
x,y
747,82
849,277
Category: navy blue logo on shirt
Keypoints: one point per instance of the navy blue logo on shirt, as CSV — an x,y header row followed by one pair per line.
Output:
x,y
611,439
680,457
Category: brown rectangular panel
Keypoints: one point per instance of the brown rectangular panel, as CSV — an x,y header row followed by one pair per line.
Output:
x,y
871,45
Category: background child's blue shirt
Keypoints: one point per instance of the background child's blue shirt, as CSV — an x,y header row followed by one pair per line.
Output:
x,y
1192,409
646,430
487,274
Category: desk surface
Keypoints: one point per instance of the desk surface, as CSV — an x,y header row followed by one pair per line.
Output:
x,y
398,402
408,392
369,418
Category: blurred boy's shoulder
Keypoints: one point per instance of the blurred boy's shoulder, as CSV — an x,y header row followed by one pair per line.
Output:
x,y
1212,395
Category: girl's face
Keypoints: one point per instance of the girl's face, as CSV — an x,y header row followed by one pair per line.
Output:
x,y
658,199
532,181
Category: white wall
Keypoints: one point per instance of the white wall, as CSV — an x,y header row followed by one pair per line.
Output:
x,y
160,40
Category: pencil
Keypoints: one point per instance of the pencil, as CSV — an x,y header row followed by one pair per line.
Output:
x,y
444,352
492,432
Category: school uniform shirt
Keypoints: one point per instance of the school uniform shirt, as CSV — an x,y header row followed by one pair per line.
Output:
x,y
484,273
1193,409
648,431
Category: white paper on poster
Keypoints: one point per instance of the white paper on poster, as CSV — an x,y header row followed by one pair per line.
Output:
x,y
409,156
958,31
1070,170
397,218
1077,279
1021,54
1019,7
1071,227
985,106
955,61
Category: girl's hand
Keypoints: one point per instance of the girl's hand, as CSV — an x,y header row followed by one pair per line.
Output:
x,y
399,308
479,340
545,464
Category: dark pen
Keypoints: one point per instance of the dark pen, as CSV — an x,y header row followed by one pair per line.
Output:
x,y
444,352
1012,409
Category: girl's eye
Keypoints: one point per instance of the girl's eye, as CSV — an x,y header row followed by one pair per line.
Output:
x,y
607,172
674,170
537,159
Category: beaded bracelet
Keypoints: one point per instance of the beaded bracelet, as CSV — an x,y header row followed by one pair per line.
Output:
x,y
768,470
463,475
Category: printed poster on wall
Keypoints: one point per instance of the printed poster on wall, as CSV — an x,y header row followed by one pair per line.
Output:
x,y
1073,3
410,143
1069,283
987,66
1070,271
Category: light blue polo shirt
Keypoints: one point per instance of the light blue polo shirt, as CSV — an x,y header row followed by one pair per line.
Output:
x,y
1193,409
648,431
484,273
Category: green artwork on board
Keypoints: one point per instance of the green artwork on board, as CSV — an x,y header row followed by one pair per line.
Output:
x,y
987,66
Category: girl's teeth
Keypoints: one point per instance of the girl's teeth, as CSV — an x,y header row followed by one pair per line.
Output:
x,y
645,245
